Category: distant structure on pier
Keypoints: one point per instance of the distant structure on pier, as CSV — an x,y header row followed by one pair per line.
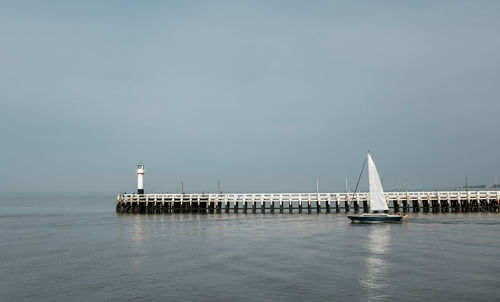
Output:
x,y
140,178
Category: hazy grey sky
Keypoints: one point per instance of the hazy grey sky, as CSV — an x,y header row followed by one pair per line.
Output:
x,y
263,95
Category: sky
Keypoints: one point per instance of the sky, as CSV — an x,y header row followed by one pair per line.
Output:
x,y
265,96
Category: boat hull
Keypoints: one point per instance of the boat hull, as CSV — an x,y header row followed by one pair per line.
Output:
x,y
369,218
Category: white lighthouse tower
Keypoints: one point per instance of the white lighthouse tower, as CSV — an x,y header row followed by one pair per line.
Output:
x,y
140,178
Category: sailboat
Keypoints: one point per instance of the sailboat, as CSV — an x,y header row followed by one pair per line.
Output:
x,y
379,211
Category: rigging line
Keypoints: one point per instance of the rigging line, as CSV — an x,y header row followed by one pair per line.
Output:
x,y
359,178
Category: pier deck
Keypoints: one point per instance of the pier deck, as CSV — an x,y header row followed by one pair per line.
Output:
x,y
437,201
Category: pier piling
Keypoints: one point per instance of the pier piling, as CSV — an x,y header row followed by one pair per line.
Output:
x,y
281,203
395,204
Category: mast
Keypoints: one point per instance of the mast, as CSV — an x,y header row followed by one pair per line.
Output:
x,y
406,186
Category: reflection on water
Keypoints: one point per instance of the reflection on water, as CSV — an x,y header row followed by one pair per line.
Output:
x,y
374,281
136,238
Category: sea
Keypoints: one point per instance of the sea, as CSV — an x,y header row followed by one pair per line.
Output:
x,y
75,247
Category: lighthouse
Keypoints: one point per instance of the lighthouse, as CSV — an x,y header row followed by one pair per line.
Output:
x,y
140,179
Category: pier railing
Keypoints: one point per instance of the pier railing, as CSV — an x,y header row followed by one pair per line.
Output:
x,y
432,201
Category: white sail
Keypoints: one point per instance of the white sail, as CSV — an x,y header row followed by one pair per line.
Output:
x,y
377,197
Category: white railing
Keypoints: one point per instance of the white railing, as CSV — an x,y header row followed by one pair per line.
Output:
x,y
304,197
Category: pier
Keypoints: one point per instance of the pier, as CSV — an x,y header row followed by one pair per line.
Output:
x,y
404,202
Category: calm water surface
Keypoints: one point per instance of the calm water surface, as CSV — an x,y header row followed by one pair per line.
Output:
x,y
75,247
